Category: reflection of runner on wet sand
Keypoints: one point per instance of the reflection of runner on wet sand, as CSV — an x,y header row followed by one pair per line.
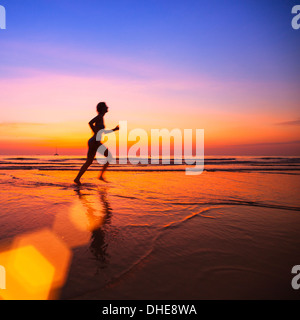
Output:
x,y
98,220
96,125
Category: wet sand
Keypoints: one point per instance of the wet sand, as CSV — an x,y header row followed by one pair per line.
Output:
x,y
155,235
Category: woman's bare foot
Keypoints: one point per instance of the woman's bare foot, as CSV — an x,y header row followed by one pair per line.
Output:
x,y
102,179
77,181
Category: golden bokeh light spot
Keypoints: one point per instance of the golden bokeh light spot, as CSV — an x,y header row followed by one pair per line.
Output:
x,y
53,249
28,274
36,266
33,270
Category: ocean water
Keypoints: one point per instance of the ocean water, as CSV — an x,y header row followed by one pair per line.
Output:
x,y
212,163
152,232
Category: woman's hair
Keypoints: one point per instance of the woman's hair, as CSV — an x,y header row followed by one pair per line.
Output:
x,y
101,107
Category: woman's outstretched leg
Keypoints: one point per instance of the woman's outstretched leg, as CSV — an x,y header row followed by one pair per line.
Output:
x,y
89,161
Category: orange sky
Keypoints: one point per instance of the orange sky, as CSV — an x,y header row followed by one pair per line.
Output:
x,y
230,69
45,110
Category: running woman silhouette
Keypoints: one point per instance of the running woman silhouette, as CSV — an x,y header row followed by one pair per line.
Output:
x,y
96,125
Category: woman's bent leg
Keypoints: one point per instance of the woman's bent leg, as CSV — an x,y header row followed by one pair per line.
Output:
x,y
108,157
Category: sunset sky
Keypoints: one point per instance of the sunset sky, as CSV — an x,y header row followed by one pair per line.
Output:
x,y
228,67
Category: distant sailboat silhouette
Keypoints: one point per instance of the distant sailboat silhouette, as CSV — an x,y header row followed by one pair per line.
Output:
x,y
56,154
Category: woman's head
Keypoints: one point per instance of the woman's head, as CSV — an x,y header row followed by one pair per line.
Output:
x,y
102,108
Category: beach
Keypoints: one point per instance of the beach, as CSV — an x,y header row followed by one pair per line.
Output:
x,y
152,232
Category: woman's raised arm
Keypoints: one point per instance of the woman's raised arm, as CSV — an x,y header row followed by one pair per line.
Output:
x,y
92,122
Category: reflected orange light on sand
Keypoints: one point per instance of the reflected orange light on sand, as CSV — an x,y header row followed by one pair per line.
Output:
x,y
78,217
85,216
36,266
75,226
37,263
72,226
